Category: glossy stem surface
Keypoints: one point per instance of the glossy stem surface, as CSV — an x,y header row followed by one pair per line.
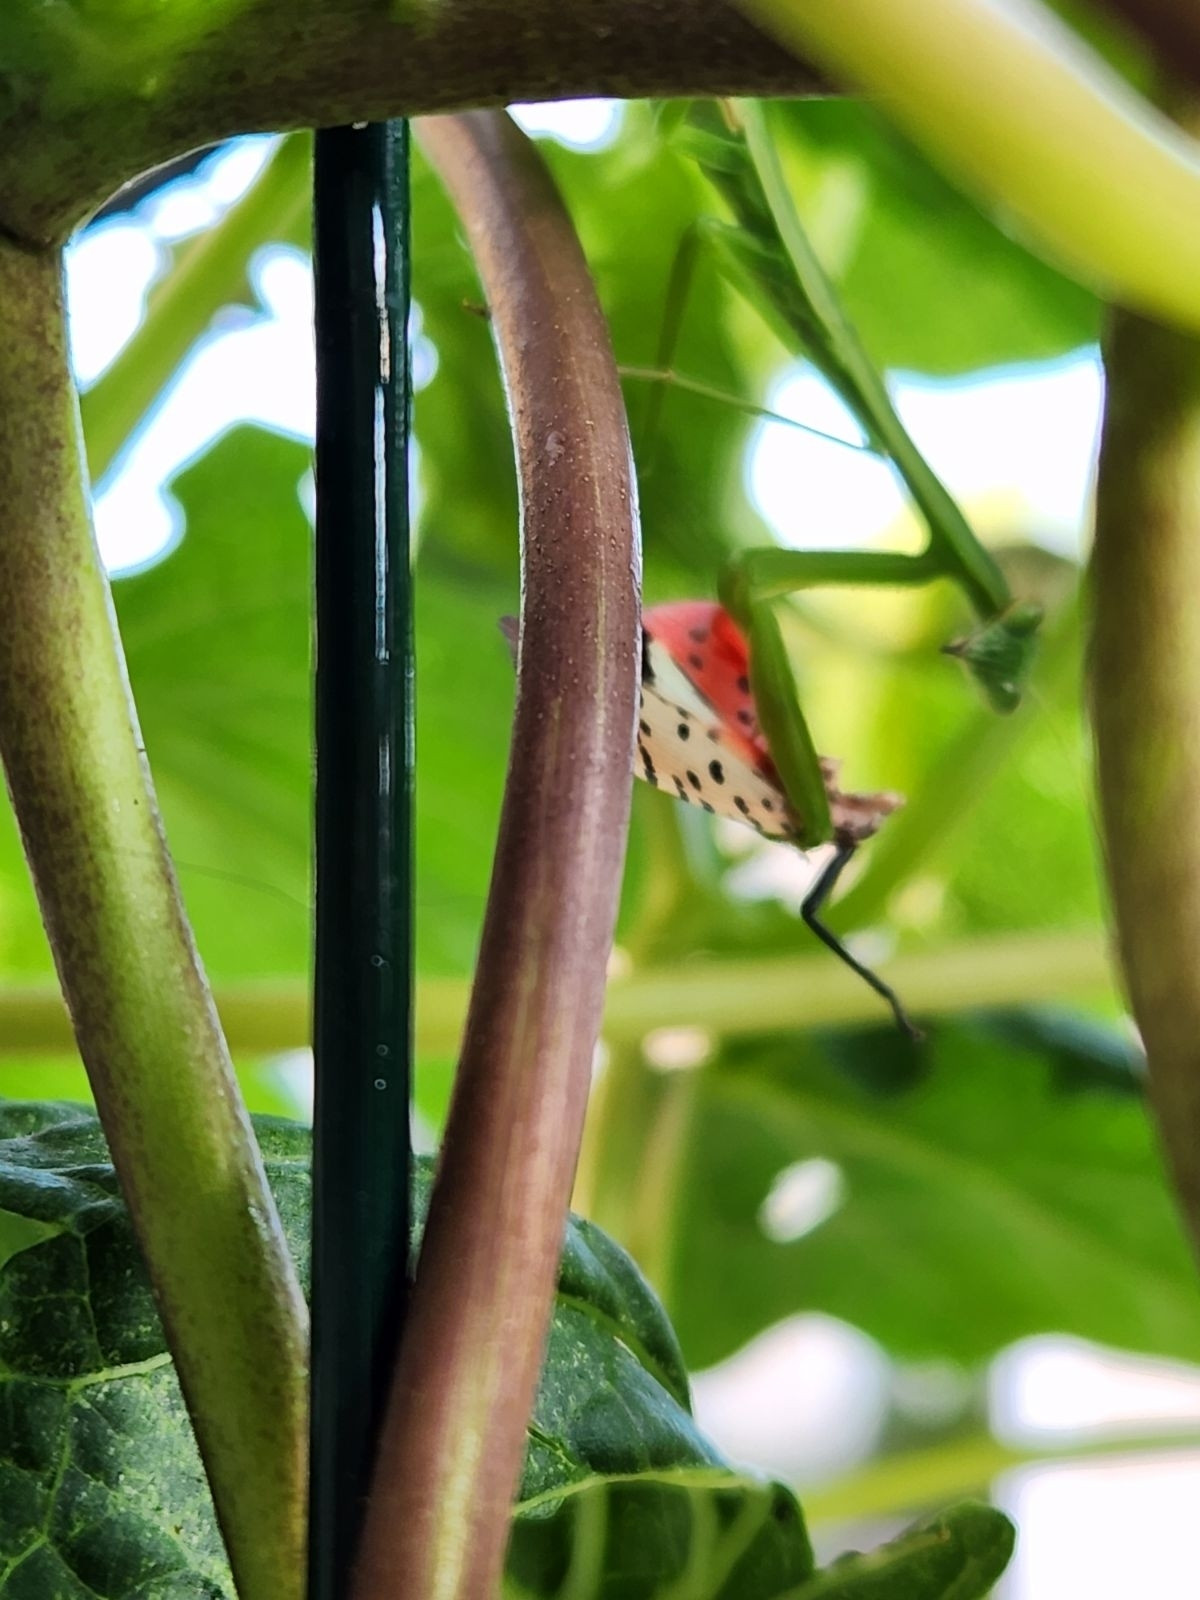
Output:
x,y
362,1014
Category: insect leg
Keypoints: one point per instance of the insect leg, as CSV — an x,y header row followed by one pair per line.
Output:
x,y
810,911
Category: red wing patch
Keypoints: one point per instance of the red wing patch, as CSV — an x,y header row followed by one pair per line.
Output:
x,y
708,647
698,733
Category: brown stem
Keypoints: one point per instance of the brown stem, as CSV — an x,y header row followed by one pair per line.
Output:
x,y
70,135
454,1435
1145,693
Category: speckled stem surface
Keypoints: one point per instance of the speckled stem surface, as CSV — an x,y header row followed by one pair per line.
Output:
x,y
141,1009
454,1437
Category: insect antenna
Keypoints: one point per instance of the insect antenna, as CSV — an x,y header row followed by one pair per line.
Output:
x,y
810,911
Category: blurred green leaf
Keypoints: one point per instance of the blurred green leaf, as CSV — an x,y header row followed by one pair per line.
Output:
x,y
931,284
982,1195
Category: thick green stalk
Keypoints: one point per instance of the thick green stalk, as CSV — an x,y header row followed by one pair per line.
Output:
x,y
92,95
141,1009
1008,98
1145,697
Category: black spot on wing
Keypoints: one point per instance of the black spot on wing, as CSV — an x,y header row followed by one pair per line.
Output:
x,y
647,669
684,731
741,805
716,771
647,764
693,779
682,791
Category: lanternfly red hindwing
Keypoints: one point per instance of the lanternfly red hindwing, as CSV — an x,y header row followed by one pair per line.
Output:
x,y
699,735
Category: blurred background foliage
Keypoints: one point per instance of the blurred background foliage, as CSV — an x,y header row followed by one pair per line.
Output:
x,y
997,1183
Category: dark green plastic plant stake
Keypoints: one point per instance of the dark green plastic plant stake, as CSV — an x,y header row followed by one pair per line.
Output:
x,y
362,1026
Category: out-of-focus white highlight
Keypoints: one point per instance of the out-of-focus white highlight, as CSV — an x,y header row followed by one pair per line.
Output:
x,y
1119,1530
1054,1389
580,124
1022,437
109,269
196,201
252,368
802,1197
677,1049
804,1400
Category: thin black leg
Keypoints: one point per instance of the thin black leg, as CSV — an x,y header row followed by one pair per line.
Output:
x,y
810,910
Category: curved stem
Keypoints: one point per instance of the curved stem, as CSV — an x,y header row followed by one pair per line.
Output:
x,y
1009,98
1145,699
89,99
141,1009
454,1435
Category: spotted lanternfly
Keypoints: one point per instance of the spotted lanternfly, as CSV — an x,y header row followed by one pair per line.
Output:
x,y
699,739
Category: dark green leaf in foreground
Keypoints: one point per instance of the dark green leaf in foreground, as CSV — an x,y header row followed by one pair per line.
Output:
x,y
101,1491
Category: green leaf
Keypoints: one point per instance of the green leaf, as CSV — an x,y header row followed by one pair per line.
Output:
x,y
956,1556
931,283
988,1189
102,1491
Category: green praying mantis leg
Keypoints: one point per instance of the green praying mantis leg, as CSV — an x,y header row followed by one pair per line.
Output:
x,y
766,256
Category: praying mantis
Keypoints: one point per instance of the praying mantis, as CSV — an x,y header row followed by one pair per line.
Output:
x,y
719,675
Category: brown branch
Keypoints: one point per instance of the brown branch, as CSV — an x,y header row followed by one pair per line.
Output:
x,y
454,1435
70,138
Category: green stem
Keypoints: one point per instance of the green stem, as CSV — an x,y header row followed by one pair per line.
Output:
x,y
771,996
729,997
142,1013
903,1484
1010,99
208,274
1145,700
